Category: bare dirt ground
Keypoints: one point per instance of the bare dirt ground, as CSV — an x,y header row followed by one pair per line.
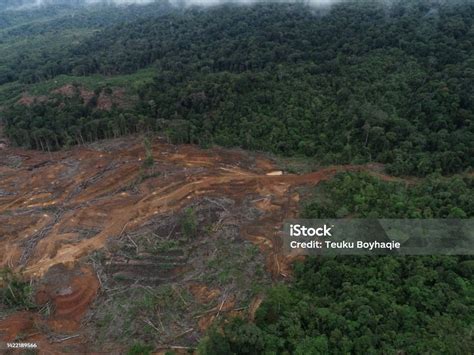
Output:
x,y
58,209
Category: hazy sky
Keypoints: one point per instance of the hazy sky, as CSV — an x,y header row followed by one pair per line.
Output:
x,y
191,2
216,2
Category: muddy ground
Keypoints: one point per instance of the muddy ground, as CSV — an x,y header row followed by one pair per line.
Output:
x,y
117,251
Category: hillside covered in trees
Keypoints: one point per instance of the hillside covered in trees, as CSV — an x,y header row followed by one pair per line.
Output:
x,y
357,82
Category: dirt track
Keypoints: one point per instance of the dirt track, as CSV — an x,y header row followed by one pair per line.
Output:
x,y
57,208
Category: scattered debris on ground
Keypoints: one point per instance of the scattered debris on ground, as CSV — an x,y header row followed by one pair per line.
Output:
x,y
120,250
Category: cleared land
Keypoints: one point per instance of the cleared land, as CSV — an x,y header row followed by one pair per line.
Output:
x,y
92,222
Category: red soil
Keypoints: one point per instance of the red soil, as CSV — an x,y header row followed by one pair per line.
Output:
x,y
69,294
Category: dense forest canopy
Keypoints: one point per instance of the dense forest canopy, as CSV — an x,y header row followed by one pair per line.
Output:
x,y
356,82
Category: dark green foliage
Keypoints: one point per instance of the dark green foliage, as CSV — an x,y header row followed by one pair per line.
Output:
x,y
149,161
285,80
48,48
368,305
361,306
68,121
15,293
140,349
361,195
362,82
189,223
214,343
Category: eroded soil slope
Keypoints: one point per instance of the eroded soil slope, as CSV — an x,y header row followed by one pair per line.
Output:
x,y
58,209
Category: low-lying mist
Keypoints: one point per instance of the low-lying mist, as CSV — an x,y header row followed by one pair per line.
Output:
x,y
219,2
23,4
32,4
